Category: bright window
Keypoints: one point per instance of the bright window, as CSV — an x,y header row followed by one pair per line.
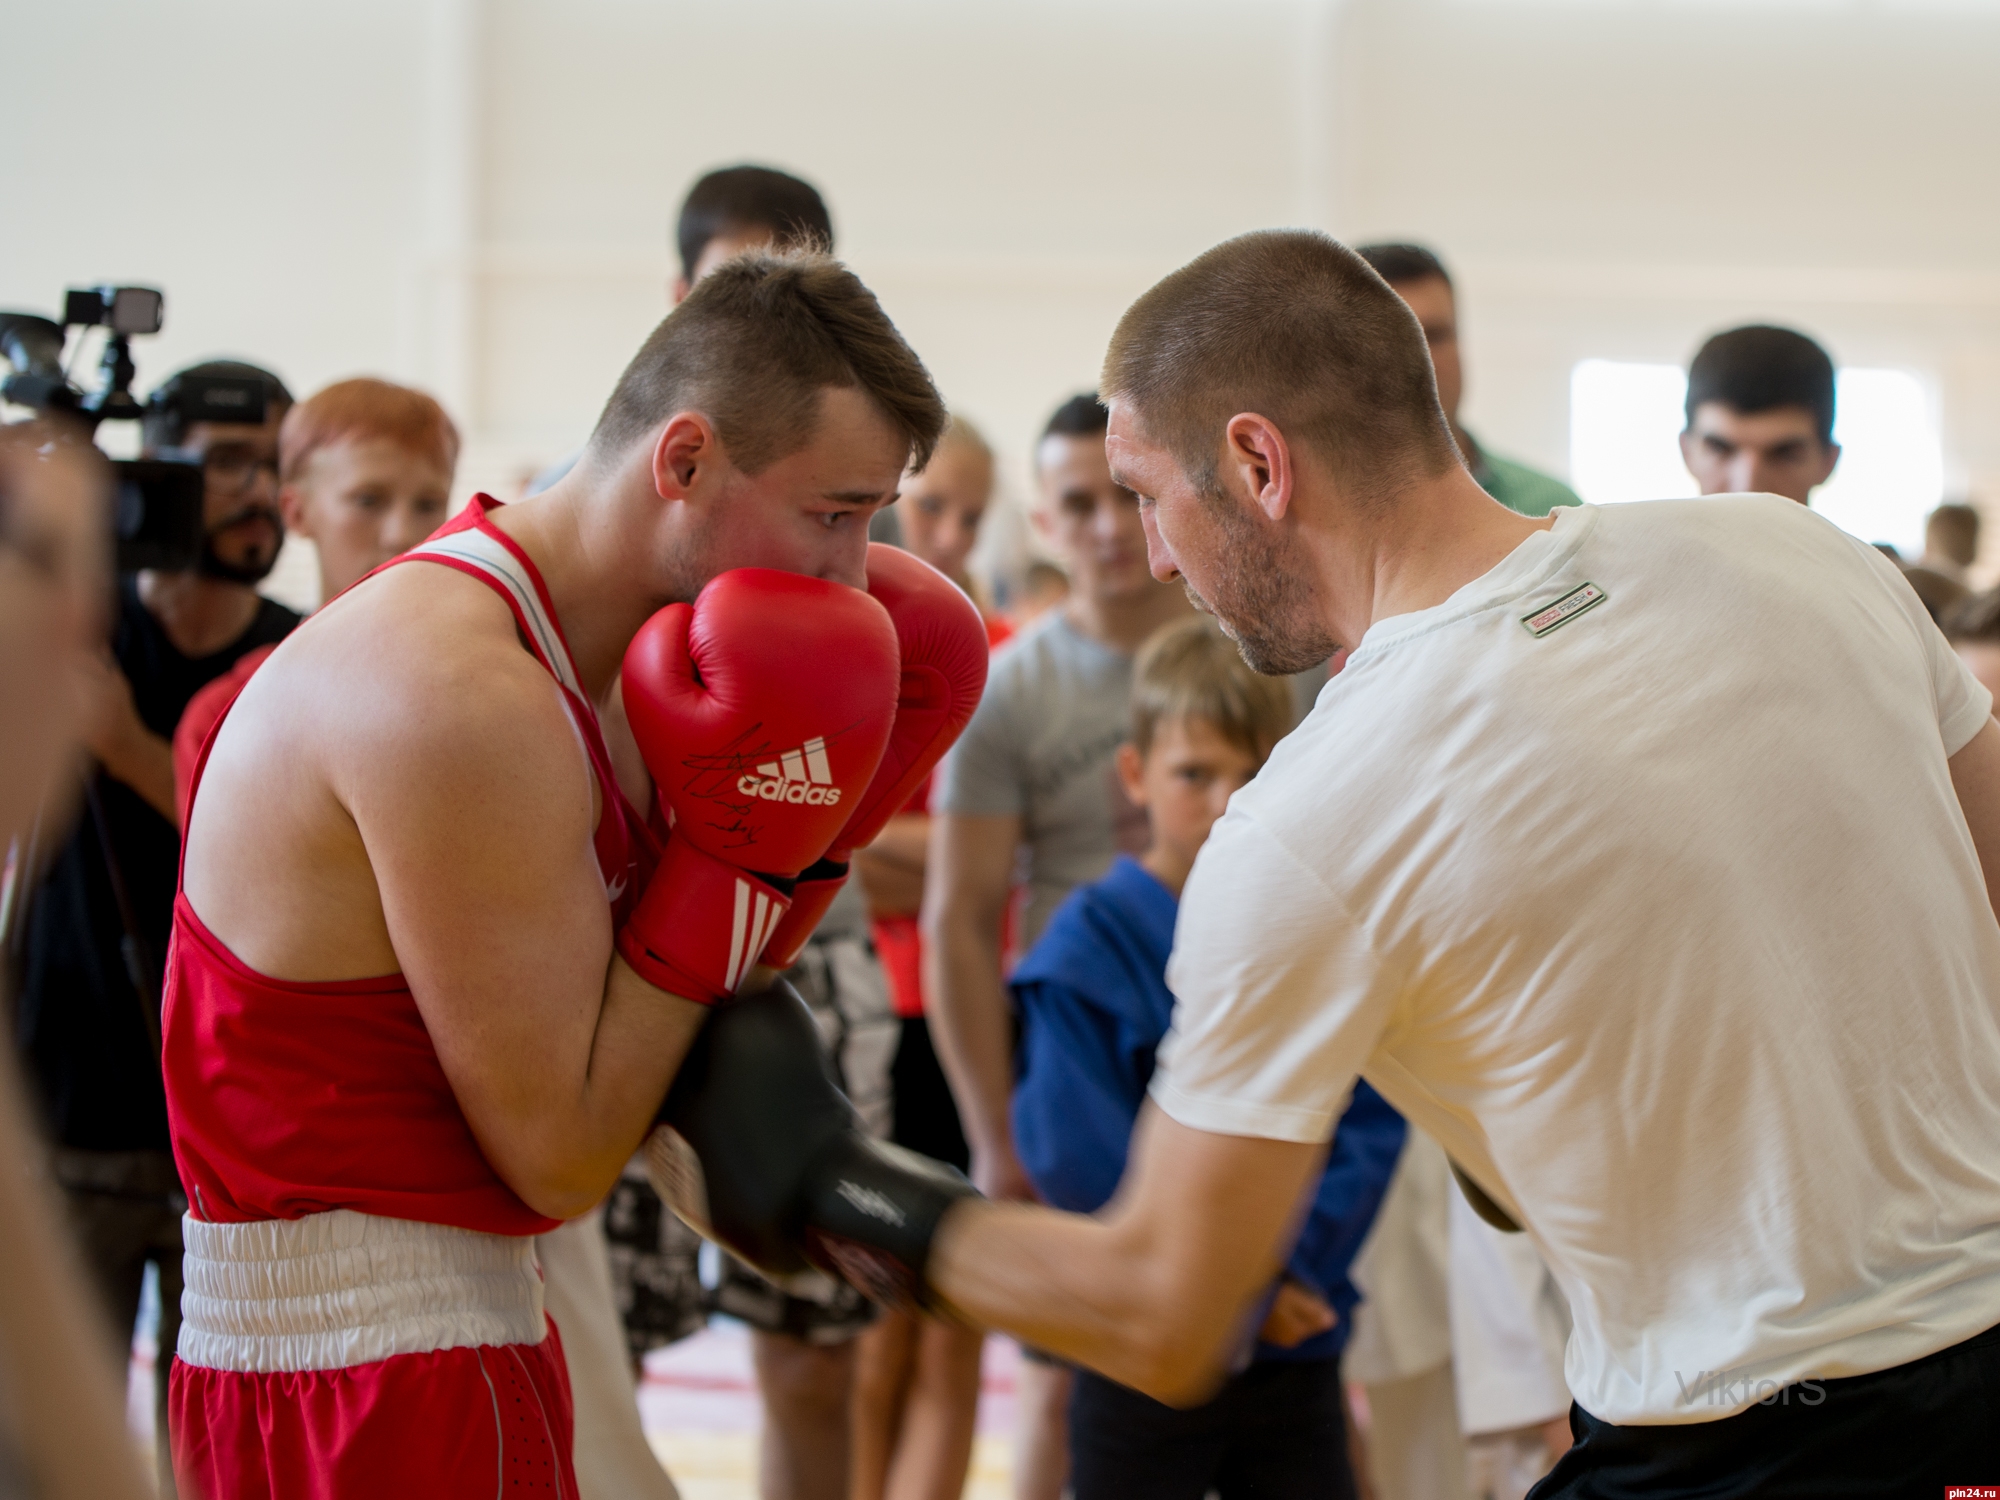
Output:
x,y
1624,430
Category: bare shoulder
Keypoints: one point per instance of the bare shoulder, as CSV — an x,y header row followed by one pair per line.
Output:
x,y
382,758
384,707
417,660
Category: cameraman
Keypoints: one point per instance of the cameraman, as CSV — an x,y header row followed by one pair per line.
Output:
x,y
96,929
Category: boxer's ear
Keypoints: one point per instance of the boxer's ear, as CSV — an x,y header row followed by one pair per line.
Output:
x,y
686,449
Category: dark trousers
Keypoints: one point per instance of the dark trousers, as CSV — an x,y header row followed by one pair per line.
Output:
x,y
125,1208
1275,1432
1909,1430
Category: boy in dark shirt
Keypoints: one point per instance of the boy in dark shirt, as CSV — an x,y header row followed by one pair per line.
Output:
x,y
1094,1006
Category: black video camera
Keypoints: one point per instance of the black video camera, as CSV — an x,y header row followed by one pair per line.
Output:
x,y
158,509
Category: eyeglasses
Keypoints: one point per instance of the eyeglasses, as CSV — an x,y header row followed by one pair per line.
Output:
x,y
231,468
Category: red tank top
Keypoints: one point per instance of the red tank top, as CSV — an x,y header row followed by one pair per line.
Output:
x,y
290,1098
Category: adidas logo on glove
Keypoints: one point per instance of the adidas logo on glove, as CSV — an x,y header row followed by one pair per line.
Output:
x,y
800,775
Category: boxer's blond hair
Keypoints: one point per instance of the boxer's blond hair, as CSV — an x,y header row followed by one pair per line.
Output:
x,y
752,346
1191,670
1294,326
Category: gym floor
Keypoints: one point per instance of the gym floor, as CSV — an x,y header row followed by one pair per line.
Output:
x,y
699,1404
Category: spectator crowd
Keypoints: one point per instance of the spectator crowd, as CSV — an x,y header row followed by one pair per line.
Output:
x,y
991,990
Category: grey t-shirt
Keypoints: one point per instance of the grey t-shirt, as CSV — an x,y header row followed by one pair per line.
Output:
x,y
1041,748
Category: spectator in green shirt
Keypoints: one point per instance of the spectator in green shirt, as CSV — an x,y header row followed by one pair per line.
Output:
x,y
1420,279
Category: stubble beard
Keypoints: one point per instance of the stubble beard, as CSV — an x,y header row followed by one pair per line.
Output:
x,y
212,564
1260,598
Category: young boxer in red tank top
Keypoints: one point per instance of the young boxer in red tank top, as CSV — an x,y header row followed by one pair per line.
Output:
x,y
290,1182
398,1039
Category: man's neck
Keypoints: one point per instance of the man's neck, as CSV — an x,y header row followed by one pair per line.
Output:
x,y
1124,624
201,615
599,600
1432,539
1467,448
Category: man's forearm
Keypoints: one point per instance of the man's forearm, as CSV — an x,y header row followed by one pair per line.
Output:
x,y
892,887
1059,1282
642,1035
145,763
1153,1291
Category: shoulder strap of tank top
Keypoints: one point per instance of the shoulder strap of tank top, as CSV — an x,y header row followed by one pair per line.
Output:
x,y
471,543
483,551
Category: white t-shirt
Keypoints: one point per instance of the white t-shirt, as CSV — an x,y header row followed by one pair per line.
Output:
x,y
1664,921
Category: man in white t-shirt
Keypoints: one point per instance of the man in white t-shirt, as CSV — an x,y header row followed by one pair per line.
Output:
x,y
1636,855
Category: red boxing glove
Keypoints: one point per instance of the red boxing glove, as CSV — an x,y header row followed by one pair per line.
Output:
x,y
762,711
943,646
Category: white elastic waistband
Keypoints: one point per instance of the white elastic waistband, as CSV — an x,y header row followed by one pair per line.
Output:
x,y
338,1289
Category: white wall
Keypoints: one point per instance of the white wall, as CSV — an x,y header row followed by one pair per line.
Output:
x,y
477,194
1619,178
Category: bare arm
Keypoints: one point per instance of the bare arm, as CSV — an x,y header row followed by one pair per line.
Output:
x,y
127,749
971,869
557,1052
892,868
1975,774
1153,1290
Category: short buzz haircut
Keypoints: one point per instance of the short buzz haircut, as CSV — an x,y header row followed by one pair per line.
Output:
x,y
751,348
734,200
1191,670
365,408
1294,326
1760,368
1953,531
1401,264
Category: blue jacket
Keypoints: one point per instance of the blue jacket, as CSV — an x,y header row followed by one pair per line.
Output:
x,y
1094,1005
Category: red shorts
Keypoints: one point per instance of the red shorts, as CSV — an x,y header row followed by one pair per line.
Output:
x,y
477,1422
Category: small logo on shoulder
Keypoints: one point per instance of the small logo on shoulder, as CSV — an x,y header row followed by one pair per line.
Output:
x,y
1554,616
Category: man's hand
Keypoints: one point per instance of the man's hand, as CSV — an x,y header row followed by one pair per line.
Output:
x,y
120,740
1296,1315
892,867
761,1152
997,1172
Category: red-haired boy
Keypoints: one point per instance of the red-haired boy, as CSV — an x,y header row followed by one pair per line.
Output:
x,y
364,473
